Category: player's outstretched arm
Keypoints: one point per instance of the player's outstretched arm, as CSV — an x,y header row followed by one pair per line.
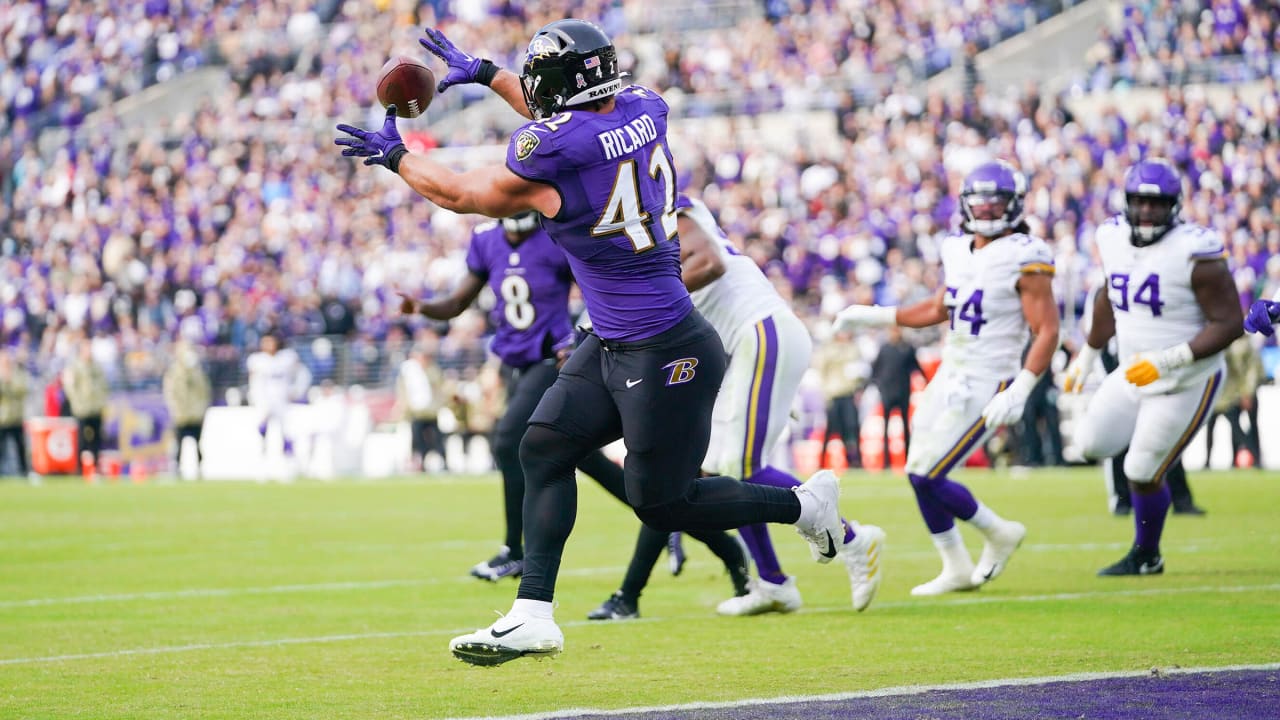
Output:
x,y
1215,291
924,313
465,69
700,263
921,314
448,307
494,191
507,85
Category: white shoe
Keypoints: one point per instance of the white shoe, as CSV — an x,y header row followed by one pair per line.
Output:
x,y
996,551
764,597
511,637
862,559
954,581
824,532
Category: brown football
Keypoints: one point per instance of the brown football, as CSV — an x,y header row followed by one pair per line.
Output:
x,y
408,83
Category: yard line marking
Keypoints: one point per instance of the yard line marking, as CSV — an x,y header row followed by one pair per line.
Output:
x,y
881,692
647,621
269,589
211,592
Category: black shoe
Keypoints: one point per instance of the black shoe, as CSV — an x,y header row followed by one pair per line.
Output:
x,y
616,608
1137,562
1123,508
1188,509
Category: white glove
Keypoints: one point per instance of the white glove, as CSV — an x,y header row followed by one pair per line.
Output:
x,y
1080,368
1007,406
856,316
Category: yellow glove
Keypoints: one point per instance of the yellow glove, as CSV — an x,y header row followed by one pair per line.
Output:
x,y
1079,369
1146,368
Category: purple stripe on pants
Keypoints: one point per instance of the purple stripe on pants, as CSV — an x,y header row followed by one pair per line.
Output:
x,y
759,404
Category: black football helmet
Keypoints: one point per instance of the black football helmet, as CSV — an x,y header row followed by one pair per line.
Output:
x,y
570,62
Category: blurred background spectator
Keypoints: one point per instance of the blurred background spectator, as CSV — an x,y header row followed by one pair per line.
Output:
x,y
224,214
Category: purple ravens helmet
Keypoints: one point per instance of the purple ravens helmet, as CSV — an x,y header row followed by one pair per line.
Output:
x,y
1152,199
991,199
570,62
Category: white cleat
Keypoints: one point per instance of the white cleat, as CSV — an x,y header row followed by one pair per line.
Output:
x,y
825,532
512,636
997,550
862,559
947,582
764,597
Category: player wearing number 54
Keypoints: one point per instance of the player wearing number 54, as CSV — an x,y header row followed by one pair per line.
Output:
x,y
999,289
595,163
1171,304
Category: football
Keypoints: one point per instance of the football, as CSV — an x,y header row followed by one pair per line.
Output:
x,y
408,83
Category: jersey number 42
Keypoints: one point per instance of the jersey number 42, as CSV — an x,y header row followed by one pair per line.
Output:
x,y
625,213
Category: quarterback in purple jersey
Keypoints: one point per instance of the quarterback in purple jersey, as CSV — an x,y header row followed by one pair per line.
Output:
x,y
530,279
595,163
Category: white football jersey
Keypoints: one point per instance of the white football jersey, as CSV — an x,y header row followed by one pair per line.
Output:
x,y
275,380
1150,291
987,330
742,296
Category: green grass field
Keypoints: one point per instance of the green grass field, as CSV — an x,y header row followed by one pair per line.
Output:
x,y
337,600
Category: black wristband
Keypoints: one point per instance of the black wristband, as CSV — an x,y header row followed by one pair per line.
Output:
x,y
394,156
486,72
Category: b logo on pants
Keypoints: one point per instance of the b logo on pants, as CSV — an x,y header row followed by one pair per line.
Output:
x,y
681,371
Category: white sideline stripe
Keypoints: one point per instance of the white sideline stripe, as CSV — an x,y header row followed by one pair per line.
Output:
x,y
320,639
883,692
463,579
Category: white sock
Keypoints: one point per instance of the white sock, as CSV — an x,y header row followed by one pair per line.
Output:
x,y
950,544
985,519
533,608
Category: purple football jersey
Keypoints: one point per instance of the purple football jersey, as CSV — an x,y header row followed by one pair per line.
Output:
x,y
618,186
531,284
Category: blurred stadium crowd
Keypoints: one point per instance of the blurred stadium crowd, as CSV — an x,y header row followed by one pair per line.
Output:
x,y
236,217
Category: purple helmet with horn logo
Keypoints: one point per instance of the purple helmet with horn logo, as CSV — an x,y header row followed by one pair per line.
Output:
x,y
991,199
1152,199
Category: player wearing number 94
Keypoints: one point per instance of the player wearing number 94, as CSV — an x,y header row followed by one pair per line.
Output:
x,y
1172,305
595,163
998,287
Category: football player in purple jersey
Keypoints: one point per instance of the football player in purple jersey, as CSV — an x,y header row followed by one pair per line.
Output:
x,y
530,280
594,161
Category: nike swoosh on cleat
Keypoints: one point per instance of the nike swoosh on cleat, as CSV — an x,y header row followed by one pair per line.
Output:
x,y
506,632
830,552
989,573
